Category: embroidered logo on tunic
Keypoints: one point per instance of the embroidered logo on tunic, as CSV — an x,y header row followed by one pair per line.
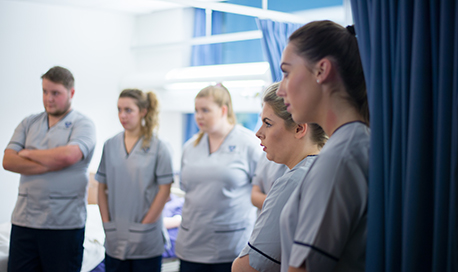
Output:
x,y
68,124
231,148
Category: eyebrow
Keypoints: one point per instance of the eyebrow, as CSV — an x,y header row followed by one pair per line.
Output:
x,y
265,118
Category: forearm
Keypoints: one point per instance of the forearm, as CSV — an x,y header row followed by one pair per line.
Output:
x,y
102,201
54,158
242,264
298,269
158,204
17,164
257,197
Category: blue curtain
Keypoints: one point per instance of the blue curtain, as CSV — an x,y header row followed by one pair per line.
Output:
x,y
274,39
409,51
207,54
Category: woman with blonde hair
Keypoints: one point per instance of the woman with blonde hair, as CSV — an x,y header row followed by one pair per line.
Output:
x,y
217,166
135,175
291,144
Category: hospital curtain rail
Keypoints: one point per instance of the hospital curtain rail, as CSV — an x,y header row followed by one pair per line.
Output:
x,y
409,51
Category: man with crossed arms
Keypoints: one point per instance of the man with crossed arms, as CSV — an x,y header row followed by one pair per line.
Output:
x,y
51,150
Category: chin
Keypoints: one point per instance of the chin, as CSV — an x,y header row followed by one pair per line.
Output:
x,y
269,157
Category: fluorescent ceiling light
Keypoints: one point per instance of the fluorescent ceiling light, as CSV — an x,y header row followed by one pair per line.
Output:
x,y
230,84
244,83
197,86
218,71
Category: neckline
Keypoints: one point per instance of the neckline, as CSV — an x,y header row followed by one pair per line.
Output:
x,y
222,143
124,144
347,123
65,116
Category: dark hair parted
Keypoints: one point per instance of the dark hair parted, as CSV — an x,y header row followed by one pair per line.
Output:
x,y
60,75
221,97
317,134
325,39
149,102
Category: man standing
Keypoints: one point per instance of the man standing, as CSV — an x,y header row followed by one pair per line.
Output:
x,y
51,151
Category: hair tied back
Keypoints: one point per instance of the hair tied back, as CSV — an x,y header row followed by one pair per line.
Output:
x,y
351,29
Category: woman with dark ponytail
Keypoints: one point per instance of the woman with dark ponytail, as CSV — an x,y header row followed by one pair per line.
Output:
x,y
323,224
135,175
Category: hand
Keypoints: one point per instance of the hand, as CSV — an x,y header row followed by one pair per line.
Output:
x,y
24,153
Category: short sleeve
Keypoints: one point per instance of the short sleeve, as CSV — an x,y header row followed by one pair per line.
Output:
x,y
101,175
330,212
164,168
83,135
186,146
258,176
17,141
254,154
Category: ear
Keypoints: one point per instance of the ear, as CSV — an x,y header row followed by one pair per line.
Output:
x,y
72,92
224,110
323,70
300,130
143,112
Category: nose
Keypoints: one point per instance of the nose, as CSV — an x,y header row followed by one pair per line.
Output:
x,y
259,134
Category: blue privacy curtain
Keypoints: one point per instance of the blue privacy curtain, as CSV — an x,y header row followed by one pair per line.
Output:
x,y
409,51
274,39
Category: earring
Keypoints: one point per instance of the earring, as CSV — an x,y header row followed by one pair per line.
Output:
x,y
143,122
318,81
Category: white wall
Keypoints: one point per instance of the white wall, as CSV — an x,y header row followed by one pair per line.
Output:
x,y
166,27
94,45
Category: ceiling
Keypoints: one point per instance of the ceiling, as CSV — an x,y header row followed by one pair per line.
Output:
x,y
128,6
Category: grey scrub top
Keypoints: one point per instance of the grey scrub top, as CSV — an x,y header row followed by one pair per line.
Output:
x,y
218,216
54,200
133,182
267,172
264,247
324,222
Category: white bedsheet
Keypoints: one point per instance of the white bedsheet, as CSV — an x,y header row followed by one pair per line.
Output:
x,y
94,252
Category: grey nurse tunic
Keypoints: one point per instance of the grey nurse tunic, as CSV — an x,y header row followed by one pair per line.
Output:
x,y
267,172
57,199
324,222
264,248
217,214
133,182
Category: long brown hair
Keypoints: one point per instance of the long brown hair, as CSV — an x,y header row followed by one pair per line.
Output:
x,y
149,102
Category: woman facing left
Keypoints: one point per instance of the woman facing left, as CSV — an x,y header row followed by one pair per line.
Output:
x,y
135,175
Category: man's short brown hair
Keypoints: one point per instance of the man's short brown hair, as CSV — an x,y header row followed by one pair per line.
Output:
x,y
60,75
